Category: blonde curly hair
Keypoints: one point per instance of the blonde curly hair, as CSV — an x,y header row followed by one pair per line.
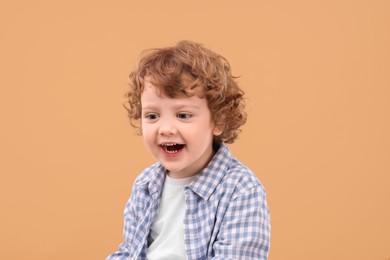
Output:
x,y
210,77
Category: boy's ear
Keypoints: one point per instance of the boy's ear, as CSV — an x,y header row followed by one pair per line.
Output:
x,y
216,131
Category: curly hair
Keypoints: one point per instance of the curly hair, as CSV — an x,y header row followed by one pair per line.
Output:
x,y
210,77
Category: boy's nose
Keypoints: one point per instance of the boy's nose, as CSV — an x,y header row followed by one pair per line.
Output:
x,y
167,128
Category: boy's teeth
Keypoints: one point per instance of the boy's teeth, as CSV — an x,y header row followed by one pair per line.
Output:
x,y
172,148
174,151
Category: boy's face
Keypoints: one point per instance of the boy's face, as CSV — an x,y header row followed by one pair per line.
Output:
x,y
177,131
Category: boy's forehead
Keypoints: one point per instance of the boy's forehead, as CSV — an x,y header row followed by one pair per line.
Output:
x,y
152,98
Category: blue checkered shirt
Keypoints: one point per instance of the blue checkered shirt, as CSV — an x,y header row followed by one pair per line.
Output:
x,y
226,215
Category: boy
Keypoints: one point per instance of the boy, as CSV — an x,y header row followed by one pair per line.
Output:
x,y
197,201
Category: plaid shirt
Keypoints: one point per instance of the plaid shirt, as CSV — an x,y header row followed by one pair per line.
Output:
x,y
226,215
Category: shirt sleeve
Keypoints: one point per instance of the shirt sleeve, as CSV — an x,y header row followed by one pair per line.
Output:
x,y
245,230
124,252
121,254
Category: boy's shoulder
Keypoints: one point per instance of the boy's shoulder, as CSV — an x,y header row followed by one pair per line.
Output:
x,y
237,172
241,177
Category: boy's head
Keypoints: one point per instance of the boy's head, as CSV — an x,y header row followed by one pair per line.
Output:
x,y
189,69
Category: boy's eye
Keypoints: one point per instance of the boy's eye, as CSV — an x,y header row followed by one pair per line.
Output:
x,y
151,116
183,115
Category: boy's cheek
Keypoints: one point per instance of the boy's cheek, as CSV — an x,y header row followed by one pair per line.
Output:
x,y
146,127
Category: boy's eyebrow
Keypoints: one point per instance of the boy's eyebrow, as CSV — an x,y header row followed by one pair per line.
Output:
x,y
147,107
179,106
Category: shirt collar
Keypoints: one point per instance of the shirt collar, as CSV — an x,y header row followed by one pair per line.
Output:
x,y
209,178
152,179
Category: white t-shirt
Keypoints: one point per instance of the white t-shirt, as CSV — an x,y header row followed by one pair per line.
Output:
x,y
167,230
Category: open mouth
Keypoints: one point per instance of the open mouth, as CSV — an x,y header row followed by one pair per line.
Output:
x,y
172,148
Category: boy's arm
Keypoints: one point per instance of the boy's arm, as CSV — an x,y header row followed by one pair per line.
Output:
x,y
123,252
245,230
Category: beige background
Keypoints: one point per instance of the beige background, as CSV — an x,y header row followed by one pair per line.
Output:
x,y
316,74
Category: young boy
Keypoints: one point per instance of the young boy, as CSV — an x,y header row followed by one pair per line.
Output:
x,y
197,201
